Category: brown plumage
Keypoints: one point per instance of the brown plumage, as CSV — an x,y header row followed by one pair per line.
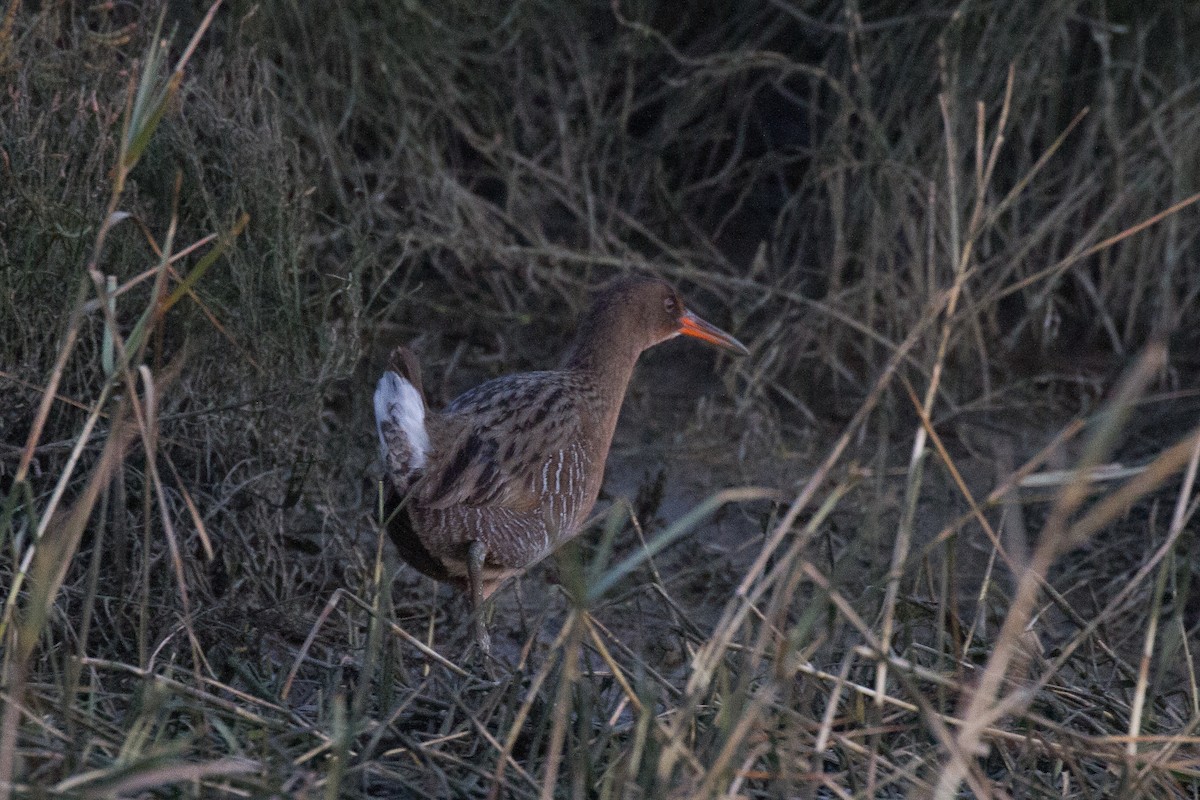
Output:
x,y
511,469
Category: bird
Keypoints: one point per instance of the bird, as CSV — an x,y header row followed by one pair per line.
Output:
x,y
510,469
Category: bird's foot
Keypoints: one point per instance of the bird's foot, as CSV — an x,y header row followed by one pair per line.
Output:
x,y
477,658
482,638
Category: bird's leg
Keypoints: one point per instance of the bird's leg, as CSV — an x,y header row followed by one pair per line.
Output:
x,y
475,556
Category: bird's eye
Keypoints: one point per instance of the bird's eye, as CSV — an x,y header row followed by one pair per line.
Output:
x,y
670,304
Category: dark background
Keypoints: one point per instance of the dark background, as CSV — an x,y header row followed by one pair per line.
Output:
x,y
819,178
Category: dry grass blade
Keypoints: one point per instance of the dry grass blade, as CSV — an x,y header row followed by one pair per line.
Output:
x,y
1155,474
1101,246
686,524
135,778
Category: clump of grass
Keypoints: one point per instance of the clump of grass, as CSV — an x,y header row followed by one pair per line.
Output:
x,y
947,235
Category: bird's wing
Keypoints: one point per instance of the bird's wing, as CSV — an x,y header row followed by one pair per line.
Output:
x,y
498,438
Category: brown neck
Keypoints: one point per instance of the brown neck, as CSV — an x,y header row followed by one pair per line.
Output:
x,y
605,364
604,349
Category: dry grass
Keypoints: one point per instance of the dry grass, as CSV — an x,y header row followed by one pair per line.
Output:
x,y
959,241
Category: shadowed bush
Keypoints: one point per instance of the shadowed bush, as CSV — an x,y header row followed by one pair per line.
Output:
x,y
959,241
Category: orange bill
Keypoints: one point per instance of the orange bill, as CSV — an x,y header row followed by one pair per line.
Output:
x,y
691,325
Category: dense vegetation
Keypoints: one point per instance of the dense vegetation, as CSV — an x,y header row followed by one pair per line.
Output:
x,y
958,239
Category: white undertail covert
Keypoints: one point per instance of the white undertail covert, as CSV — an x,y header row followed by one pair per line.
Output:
x,y
398,405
